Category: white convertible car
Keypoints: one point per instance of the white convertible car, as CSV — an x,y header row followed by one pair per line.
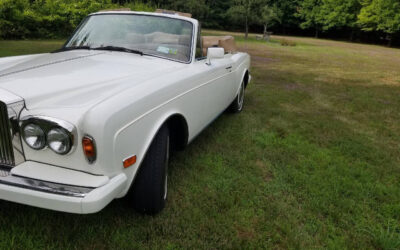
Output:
x,y
97,119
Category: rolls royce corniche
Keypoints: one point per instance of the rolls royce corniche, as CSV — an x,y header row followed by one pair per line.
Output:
x,y
97,119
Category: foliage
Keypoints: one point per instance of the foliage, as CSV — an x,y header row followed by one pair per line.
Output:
x,y
270,15
380,15
311,13
12,17
245,12
216,16
287,12
340,13
198,8
371,15
50,18
58,18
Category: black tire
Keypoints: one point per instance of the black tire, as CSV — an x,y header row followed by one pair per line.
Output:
x,y
237,104
149,190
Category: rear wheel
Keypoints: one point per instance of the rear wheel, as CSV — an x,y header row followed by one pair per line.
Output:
x,y
238,103
149,191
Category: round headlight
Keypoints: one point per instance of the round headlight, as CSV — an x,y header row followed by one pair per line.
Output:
x,y
59,140
34,136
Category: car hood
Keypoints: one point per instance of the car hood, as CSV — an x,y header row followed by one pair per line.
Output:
x,y
78,78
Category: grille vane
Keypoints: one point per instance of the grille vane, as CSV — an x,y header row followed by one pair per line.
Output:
x,y
6,146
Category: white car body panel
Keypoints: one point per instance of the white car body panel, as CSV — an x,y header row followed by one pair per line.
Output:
x,y
39,171
119,99
92,203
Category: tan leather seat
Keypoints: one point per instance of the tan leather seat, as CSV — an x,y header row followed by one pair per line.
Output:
x,y
226,42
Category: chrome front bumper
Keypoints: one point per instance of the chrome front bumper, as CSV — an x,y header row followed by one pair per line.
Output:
x,y
59,197
7,178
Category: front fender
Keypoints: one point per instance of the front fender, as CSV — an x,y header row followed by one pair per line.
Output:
x,y
136,138
243,60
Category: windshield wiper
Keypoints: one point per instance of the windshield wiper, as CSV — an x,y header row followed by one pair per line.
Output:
x,y
72,48
122,49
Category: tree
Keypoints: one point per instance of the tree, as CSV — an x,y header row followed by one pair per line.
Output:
x,y
198,8
381,15
340,14
12,18
287,13
245,11
269,15
311,13
216,16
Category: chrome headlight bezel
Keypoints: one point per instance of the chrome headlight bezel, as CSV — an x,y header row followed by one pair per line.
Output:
x,y
63,139
39,134
47,124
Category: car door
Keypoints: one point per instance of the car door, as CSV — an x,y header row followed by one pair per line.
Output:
x,y
210,89
212,93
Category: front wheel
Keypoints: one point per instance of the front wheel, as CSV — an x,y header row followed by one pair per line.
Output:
x,y
149,190
237,104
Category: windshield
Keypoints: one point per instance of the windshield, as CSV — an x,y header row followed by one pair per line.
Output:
x,y
153,35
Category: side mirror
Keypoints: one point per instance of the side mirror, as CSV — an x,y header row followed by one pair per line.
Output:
x,y
214,53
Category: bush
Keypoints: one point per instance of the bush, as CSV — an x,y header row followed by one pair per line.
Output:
x,y
139,6
12,18
20,19
285,42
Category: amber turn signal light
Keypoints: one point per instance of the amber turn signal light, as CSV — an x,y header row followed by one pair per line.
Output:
x,y
129,161
89,148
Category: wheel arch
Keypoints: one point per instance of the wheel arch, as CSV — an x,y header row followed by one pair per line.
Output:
x,y
179,134
179,131
246,77
178,128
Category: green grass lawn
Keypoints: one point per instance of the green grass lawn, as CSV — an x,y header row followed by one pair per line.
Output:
x,y
15,48
312,162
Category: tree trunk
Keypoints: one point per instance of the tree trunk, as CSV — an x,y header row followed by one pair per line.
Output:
x,y
352,35
265,30
316,33
247,29
390,38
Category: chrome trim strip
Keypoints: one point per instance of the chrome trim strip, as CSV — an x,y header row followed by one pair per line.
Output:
x,y
61,123
7,178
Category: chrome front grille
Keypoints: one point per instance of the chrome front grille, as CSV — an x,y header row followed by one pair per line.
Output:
x,y
4,172
6,138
